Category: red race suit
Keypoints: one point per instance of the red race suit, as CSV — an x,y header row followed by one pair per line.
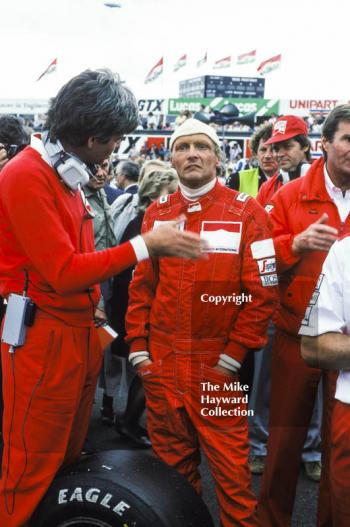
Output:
x,y
48,383
294,384
188,314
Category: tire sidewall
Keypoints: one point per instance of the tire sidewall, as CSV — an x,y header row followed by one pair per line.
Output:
x,y
91,497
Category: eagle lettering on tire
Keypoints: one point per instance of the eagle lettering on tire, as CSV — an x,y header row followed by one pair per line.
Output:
x,y
93,495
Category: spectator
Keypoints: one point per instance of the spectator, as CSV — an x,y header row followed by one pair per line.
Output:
x,y
235,150
121,212
154,183
151,121
13,138
111,192
126,176
251,179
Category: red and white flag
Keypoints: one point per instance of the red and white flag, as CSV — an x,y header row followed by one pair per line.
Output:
x,y
155,71
247,58
181,62
269,65
222,63
50,69
203,60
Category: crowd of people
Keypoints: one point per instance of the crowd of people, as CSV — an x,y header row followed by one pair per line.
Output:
x,y
225,281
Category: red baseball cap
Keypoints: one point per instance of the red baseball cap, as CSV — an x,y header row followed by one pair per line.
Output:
x,y
286,127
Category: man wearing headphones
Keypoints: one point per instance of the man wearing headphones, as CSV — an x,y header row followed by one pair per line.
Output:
x,y
47,256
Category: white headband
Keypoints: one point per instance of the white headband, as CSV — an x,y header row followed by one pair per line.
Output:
x,y
192,127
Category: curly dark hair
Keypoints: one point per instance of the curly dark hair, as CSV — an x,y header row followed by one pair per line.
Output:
x,y
92,104
12,131
263,132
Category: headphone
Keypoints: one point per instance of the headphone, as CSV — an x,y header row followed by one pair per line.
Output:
x,y
72,170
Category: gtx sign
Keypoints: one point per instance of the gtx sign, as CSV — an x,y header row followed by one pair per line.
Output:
x,y
155,106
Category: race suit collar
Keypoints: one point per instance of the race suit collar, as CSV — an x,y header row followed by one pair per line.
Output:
x,y
193,194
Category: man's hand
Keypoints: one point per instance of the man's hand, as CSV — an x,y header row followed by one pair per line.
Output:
x,y
167,240
317,237
224,371
100,317
3,157
145,362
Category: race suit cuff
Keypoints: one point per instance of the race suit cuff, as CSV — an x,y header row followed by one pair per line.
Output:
x,y
236,351
138,357
229,363
140,248
285,257
138,344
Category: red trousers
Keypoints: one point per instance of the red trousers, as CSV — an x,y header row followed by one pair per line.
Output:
x,y
340,465
293,391
48,386
179,423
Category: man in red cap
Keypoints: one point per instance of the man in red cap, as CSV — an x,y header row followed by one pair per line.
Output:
x,y
292,150
291,147
307,215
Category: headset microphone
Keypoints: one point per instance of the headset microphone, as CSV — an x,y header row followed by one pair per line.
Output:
x,y
72,170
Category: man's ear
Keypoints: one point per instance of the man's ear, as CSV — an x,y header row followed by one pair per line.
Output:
x,y
91,142
324,144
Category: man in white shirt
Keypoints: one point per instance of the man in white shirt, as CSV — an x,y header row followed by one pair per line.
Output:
x,y
308,216
326,344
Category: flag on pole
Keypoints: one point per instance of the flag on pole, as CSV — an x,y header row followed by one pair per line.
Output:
x,y
50,69
222,63
247,58
269,65
181,62
155,71
203,60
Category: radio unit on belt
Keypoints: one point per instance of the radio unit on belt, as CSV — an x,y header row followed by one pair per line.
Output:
x,y
20,314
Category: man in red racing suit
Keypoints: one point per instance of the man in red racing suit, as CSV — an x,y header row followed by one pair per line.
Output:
x,y
197,320
307,214
47,250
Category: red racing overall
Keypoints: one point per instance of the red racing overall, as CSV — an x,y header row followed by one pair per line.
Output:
x,y
187,313
294,384
49,382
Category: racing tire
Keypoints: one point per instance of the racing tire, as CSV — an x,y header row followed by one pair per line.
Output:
x,y
121,488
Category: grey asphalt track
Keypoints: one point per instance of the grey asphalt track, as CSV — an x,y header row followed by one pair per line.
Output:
x,y
106,438
102,437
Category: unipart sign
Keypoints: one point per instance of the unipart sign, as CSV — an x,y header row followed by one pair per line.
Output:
x,y
304,107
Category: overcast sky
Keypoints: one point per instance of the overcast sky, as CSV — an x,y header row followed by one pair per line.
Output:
x,y
313,37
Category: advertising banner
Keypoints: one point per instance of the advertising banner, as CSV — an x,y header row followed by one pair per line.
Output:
x,y
303,107
245,106
155,106
24,106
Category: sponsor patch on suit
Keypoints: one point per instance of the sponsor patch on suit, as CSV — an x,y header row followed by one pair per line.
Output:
x,y
222,236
